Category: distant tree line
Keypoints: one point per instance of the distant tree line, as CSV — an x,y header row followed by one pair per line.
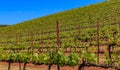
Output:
x,y
3,25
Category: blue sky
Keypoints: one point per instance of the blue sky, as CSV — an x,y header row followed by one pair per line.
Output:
x,y
15,11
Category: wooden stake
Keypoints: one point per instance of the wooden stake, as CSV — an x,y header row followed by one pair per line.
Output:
x,y
57,33
98,40
79,29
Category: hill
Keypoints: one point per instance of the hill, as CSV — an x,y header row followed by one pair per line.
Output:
x,y
81,15
69,38
105,13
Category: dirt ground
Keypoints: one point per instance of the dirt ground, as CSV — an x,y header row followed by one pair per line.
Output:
x,y
15,66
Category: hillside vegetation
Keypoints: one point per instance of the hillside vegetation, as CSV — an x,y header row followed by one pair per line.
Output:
x,y
101,11
106,14
80,33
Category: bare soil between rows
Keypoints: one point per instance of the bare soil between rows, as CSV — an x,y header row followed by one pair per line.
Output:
x,y
15,66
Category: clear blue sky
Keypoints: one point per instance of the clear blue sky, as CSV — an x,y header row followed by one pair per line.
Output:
x,y
15,11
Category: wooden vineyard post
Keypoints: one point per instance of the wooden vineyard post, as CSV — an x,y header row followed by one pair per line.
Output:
x,y
115,21
98,41
89,22
9,43
18,50
41,42
17,42
89,18
57,33
79,29
9,40
110,21
58,39
103,22
32,47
